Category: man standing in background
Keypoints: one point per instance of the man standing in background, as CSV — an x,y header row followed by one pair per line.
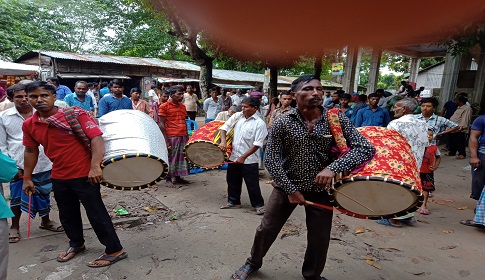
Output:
x,y
191,102
61,90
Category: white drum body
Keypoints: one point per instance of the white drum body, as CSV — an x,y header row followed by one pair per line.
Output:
x,y
136,155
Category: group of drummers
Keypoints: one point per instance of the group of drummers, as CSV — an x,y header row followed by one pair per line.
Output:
x,y
309,149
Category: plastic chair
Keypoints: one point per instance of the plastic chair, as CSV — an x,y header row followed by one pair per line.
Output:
x,y
191,126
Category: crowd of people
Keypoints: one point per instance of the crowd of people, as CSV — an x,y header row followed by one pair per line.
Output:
x,y
40,136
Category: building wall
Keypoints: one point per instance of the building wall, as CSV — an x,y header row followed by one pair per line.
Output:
x,y
431,78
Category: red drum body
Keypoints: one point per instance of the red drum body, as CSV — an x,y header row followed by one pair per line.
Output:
x,y
203,150
389,184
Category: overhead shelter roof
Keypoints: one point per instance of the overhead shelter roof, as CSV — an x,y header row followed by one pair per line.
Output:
x,y
17,69
420,50
139,61
86,76
238,77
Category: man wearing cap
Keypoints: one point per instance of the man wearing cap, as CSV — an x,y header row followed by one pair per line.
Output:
x,y
225,115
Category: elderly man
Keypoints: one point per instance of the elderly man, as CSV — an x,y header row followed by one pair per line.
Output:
x,y
172,116
298,158
249,134
61,90
225,115
416,133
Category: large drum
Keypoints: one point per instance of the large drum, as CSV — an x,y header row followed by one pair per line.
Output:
x,y
203,150
136,154
389,184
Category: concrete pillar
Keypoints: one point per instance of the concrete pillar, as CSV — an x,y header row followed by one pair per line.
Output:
x,y
466,62
450,77
413,72
357,71
477,94
348,80
375,64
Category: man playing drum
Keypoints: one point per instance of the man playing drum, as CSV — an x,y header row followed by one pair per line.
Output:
x,y
172,124
297,157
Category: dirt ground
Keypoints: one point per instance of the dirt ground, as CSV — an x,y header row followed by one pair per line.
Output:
x,y
182,234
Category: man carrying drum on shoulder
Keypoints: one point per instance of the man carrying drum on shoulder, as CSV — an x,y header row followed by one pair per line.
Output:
x,y
297,157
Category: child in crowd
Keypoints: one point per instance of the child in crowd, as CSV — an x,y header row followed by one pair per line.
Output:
x,y
431,161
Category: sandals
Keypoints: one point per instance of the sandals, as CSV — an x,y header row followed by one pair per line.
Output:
x,y
70,253
110,259
471,223
52,226
423,211
13,235
386,222
229,205
243,272
260,210
460,157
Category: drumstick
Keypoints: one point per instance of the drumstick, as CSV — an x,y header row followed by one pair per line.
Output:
x,y
353,199
29,218
347,196
217,164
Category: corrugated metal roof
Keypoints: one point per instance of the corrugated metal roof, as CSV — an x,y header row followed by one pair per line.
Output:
x,y
154,62
241,76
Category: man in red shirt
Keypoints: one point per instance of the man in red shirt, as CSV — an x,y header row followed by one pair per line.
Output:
x,y
76,172
174,129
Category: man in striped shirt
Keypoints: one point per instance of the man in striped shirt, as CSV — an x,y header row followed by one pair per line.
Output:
x,y
443,125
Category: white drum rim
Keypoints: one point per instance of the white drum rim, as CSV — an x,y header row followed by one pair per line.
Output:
x,y
132,155
226,158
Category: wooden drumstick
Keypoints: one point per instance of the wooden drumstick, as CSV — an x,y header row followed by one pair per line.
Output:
x,y
347,196
353,199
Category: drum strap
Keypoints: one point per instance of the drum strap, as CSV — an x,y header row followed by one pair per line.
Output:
x,y
75,125
336,129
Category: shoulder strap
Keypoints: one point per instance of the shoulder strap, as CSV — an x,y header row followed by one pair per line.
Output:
x,y
336,129
75,125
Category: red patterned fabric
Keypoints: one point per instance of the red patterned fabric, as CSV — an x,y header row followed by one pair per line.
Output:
x,y
209,133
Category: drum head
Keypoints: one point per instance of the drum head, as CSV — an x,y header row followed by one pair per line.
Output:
x,y
133,173
385,199
204,154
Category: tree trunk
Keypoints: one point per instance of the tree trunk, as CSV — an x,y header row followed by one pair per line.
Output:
x,y
318,65
273,81
205,78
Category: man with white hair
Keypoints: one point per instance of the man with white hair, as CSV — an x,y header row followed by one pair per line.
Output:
x,y
416,133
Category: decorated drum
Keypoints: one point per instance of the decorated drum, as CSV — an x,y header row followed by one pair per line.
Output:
x,y
136,155
389,184
203,150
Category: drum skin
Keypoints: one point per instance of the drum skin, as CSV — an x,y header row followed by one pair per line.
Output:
x,y
203,150
136,155
389,183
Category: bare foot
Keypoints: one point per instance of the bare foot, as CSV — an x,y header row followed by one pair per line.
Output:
x,y
169,184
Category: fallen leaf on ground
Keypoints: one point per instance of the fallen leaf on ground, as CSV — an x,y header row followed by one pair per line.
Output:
x,y
414,260
103,195
423,221
419,273
290,231
372,263
448,247
462,208
448,231
390,249
359,230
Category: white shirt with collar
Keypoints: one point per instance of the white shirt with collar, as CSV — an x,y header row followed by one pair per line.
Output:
x,y
11,137
247,133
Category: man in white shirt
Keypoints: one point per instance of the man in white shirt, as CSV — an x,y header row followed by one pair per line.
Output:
x,y
249,134
11,137
225,115
191,102
416,133
152,95
237,97
212,105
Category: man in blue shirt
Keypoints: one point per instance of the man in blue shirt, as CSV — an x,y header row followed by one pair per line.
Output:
x,y
344,105
116,101
104,89
79,98
61,91
372,115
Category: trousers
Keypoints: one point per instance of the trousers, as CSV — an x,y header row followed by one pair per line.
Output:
x,y
235,175
318,222
457,143
68,194
478,178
